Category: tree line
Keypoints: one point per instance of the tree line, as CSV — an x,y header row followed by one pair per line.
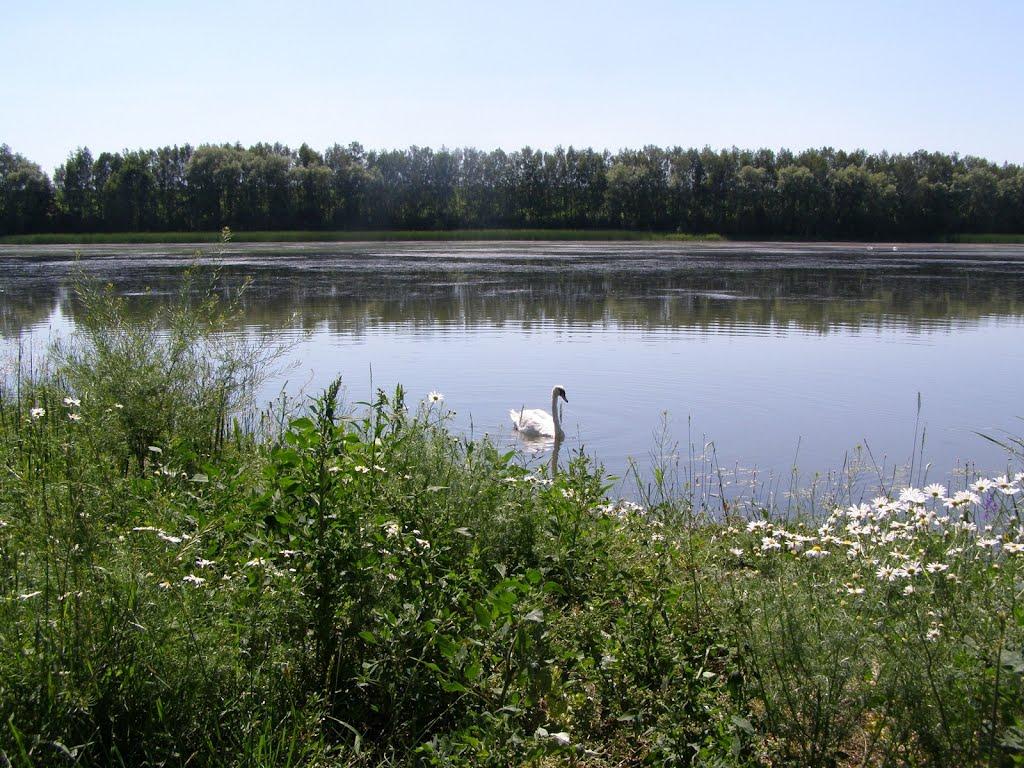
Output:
x,y
816,193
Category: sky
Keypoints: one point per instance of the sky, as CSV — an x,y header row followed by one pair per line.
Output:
x,y
895,76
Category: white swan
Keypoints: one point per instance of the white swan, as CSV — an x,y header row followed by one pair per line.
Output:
x,y
535,422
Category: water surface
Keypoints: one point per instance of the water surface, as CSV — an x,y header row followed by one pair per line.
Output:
x,y
776,353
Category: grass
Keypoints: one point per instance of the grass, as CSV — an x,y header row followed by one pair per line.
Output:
x,y
989,239
243,236
353,585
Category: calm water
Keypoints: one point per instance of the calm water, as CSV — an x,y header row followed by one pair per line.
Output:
x,y
773,352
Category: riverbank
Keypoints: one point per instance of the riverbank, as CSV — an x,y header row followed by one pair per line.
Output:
x,y
457,235
354,236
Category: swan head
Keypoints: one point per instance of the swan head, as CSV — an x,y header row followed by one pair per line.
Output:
x,y
559,391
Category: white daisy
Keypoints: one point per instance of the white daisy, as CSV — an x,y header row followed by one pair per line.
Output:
x,y
912,496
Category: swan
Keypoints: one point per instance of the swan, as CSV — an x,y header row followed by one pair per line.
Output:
x,y
535,422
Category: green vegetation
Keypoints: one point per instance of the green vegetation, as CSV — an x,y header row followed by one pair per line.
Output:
x,y
990,239
180,586
814,194
305,236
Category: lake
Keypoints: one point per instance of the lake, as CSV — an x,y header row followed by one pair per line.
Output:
x,y
760,356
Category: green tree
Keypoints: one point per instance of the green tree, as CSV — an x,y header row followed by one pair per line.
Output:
x,y
75,192
26,195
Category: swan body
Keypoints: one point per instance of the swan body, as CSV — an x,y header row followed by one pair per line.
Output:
x,y
536,422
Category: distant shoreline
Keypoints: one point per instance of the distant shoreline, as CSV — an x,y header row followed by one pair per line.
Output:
x,y
459,235
352,236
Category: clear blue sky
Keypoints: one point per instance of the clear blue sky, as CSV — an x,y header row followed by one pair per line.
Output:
x,y
875,75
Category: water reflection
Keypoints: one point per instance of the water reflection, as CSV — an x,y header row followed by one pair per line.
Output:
x,y
349,290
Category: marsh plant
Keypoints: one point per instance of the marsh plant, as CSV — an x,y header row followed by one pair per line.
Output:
x,y
365,587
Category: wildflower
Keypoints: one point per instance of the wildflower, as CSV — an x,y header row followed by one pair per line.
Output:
x,y
1005,485
657,537
435,397
119,406
935,490
962,498
885,573
758,525
164,585
858,511
256,562
1013,548
194,580
909,589
37,413
854,590
75,416
423,543
203,563
72,402
981,485
768,543
988,543
362,469
933,634
936,567
737,552
169,538
391,529
912,569
912,496
815,552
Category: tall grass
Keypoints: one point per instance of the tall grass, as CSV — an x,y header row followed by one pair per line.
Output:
x,y
361,587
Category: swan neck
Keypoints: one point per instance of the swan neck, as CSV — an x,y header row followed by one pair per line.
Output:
x,y
554,413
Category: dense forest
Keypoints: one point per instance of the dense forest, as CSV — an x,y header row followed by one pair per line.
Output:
x,y
817,193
